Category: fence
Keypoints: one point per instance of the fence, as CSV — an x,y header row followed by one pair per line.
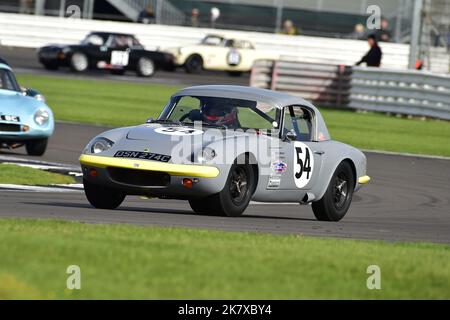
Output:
x,y
413,93
35,31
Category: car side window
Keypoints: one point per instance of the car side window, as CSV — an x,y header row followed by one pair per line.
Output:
x,y
118,42
299,120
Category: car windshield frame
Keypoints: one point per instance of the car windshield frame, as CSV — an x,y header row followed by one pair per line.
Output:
x,y
12,79
220,44
255,106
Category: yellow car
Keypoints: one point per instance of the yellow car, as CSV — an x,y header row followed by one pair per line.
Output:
x,y
216,52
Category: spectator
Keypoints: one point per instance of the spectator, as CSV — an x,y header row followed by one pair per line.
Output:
x,y
384,34
195,15
289,28
146,16
373,57
26,6
215,14
359,33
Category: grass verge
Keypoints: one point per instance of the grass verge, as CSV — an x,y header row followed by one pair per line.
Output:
x,y
12,174
123,104
120,261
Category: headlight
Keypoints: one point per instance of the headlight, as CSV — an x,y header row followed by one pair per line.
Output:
x,y
100,145
41,117
39,97
207,154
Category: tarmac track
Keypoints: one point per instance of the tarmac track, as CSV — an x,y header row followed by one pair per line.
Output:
x,y
408,200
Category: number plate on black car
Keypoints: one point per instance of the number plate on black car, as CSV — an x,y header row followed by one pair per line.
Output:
x,y
142,156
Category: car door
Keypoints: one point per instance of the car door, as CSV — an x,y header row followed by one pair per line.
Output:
x,y
303,155
118,51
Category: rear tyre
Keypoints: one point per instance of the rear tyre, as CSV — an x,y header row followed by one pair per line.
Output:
x,y
79,62
36,147
194,64
145,67
102,197
235,196
338,197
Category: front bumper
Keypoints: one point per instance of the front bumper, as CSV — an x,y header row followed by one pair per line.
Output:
x,y
205,177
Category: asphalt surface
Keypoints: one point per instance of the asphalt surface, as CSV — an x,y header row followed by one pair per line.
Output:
x,y
407,200
24,61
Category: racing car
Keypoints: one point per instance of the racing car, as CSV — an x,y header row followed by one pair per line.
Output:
x,y
116,52
217,52
219,147
25,119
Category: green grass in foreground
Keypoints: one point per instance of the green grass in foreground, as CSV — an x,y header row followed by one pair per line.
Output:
x,y
122,104
119,261
12,174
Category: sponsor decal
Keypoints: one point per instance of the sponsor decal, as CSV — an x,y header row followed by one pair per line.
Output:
x,y
142,156
274,182
279,167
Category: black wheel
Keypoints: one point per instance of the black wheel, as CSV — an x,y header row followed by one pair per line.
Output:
x,y
118,72
338,197
79,62
51,66
194,64
36,147
145,67
235,196
102,197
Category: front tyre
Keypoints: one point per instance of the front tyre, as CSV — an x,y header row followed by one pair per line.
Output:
x,y
235,196
194,64
145,67
79,62
102,197
338,197
36,147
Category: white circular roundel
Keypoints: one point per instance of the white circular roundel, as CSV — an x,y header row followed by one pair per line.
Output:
x,y
178,131
303,164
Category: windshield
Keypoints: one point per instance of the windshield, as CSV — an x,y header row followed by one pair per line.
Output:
x,y
225,113
93,39
212,41
8,81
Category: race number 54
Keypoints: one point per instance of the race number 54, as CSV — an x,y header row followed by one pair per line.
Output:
x,y
303,164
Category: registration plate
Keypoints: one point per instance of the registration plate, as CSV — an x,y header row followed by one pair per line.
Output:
x,y
142,156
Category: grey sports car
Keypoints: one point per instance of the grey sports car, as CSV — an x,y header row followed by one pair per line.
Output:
x,y
219,147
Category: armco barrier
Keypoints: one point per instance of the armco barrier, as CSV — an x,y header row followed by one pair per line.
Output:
x,y
35,31
415,93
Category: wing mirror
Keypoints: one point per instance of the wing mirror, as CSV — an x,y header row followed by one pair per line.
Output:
x,y
291,136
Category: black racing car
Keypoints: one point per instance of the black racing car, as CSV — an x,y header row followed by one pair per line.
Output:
x,y
116,52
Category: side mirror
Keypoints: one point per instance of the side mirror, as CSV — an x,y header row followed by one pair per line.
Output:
x,y
150,120
291,136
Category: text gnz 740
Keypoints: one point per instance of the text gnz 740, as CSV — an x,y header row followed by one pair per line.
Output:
x,y
237,309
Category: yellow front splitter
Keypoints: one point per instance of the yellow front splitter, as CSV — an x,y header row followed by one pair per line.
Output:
x,y
170,168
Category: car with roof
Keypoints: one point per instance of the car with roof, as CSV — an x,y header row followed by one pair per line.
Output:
x,y
25,118
219,147
221,53
117,52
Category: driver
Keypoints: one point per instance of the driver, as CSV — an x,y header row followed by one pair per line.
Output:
x,y
220,115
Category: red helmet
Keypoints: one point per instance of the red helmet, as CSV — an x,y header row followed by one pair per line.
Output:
x,y
220,115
